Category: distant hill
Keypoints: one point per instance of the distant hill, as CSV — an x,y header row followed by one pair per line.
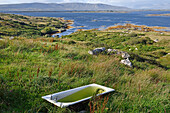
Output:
x,y
60,7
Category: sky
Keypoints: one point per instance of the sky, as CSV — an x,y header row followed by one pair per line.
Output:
x,y
137,4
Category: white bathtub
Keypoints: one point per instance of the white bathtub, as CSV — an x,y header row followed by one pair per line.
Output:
x,y
76,95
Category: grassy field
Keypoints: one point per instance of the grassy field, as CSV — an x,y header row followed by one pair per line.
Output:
x,y
35,67
31,27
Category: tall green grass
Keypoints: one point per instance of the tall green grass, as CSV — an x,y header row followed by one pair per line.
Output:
x,y
31,68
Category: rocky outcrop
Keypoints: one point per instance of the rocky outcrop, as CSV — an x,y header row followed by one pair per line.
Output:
x,y
125,55
156,40
126,62
96,51
11,38
112,51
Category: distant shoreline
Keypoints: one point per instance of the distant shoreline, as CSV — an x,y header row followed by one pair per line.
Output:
x,y
73,11
100,11
159,14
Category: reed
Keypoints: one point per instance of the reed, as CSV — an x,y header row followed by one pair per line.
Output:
x,y
59,75
50,72
38,70
56,47
18,75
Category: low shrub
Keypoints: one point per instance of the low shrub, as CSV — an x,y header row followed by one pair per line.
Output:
x,y
132,34
137,40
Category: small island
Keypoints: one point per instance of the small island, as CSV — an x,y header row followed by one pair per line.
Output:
x,y
168,14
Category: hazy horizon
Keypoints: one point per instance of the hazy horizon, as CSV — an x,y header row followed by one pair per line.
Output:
x,y
135,4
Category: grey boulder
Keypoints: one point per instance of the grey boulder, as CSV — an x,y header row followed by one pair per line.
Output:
x,y
126,62
97,51
125,55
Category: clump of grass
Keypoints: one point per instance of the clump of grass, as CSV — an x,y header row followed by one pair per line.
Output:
x,y
132,34
138,40
56,47
98,104
71,42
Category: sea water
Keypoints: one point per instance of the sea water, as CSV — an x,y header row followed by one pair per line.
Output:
x,y
104,20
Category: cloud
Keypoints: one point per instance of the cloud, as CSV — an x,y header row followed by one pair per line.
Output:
x,y
19,1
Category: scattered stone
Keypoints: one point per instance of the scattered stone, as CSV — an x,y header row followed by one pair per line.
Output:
x,y
90,52
126,62
97,51
125,55
156,40
161,33
11,38
112,51
166,54
109,50
119,52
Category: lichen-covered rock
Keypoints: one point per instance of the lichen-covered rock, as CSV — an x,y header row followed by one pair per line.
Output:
x,y
97,51
112,51
156,40
126,62
109,50
119,52
125,55
161,33
11,38
90,52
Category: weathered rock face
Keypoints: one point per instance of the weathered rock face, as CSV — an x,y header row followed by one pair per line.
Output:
x,y
161,33
126,62
90,52
166,55
156,40
11,38
97,51
112,51
125,55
